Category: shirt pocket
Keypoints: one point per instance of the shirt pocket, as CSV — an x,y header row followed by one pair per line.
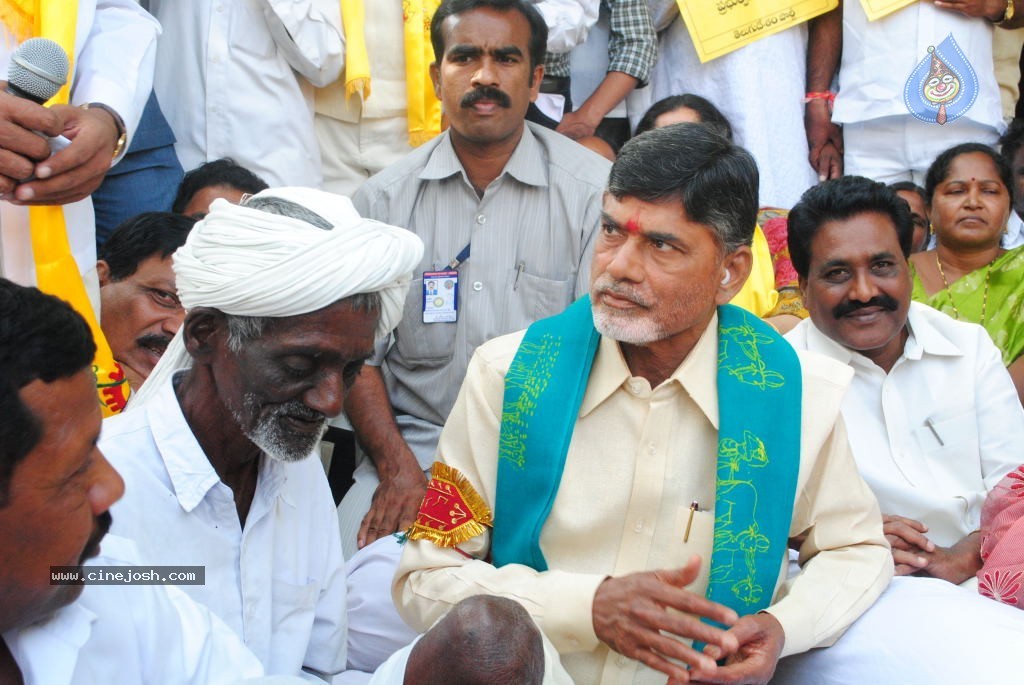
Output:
x,y
698,541
949,445
248,31
538,297
426,344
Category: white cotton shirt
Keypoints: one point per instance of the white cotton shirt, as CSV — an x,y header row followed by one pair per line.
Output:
x,y
136,634
879,56
568,21
235,79
279,582
937,432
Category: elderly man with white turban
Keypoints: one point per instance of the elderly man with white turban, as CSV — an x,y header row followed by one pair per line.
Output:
x,y
285,295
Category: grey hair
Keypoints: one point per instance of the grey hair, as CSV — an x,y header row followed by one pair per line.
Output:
x,y
282,207
242,329
715,180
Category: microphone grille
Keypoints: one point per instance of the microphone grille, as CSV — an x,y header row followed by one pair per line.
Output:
x,y
39,67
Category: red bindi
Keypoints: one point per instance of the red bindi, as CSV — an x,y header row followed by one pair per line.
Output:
x,y
633,225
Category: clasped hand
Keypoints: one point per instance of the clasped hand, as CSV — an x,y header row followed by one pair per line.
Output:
x,y
645,615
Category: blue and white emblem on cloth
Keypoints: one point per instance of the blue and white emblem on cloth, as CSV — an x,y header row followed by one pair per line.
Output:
x,y
943,86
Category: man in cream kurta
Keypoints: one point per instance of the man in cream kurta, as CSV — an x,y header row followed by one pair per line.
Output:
x,y
644,443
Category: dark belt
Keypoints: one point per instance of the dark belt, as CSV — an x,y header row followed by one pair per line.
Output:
x,y
557,85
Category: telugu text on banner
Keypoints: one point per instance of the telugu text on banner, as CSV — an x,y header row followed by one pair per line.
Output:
x,y
721,26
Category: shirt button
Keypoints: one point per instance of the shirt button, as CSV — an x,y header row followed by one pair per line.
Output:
x,y
481,219
651,449
620,660
634,387
639,526
478,286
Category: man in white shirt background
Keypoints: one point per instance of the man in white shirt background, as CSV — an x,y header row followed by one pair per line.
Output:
x,y
235,79
932,410
934,423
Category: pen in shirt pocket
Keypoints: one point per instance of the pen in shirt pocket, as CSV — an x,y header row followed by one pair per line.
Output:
x,y
694,508
931,426
519,272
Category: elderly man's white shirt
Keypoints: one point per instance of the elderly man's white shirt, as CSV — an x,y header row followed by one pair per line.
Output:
x,y
933,435
130,634
279,582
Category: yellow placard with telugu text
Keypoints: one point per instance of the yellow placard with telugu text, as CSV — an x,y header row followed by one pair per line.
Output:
x,y
718,27
876,9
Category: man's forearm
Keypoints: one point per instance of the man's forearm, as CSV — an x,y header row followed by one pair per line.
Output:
x,y
824,47
612,90
369,409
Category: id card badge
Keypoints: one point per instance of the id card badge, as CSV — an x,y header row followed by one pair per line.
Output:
x,y
440,296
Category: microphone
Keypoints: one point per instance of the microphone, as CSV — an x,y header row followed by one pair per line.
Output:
x,y
38,69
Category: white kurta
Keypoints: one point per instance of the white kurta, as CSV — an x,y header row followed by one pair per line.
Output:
x,y
279,581
235,79
760,90
937,432
144,634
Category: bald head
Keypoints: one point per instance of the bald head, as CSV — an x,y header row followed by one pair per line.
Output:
x,y
483,640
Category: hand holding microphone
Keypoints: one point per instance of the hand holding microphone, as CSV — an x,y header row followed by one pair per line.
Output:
x,y
37,71
80,158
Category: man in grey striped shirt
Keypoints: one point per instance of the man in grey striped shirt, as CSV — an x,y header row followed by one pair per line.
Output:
x,y
506,208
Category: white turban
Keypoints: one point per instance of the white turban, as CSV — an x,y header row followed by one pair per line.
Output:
x,y
249,262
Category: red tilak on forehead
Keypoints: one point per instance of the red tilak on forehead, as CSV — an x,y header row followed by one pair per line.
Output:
x,y
633,225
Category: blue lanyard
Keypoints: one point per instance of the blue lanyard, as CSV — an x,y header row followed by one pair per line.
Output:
x,y
459,258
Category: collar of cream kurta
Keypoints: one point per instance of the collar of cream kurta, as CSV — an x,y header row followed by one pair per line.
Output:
x,y
696,375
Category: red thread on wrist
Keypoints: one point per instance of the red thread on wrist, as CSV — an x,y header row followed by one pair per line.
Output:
x,y
828,96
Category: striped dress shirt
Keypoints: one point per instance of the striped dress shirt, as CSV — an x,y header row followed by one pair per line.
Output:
x,y
531,242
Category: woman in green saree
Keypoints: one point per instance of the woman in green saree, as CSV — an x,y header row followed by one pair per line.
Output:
x,y
968,275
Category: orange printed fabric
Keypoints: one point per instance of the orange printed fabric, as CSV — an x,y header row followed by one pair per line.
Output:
x,y
452,511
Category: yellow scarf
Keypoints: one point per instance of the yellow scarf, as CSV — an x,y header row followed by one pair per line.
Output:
x,y
56,269
357,61
424,107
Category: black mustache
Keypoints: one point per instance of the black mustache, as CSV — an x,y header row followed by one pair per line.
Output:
x,y
153,340
883,301
103,523
486,93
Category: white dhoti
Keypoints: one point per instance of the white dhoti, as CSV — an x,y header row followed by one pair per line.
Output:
x,y
921,631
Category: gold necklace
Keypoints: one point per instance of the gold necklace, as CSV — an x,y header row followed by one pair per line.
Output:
x,y
984,297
